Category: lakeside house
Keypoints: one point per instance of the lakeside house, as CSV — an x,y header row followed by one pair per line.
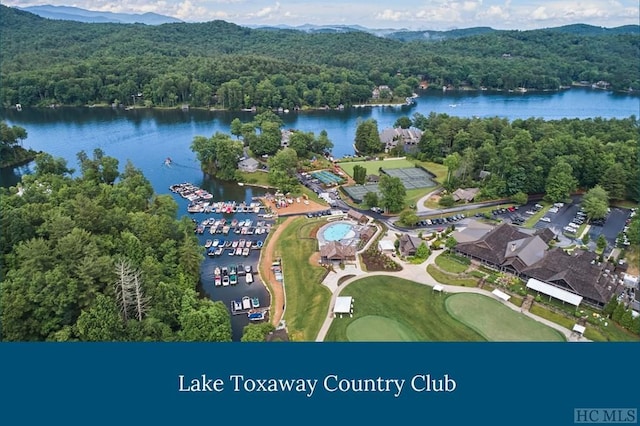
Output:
x,y
248,165
391,137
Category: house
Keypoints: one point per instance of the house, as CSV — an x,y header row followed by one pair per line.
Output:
x,y
335,251
391,137
473,231
409,244
249,165
368,233
373,178
509,249
285,137
377,91
357,216
466,194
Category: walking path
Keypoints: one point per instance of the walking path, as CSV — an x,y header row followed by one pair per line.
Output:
x,y
275,287
418,274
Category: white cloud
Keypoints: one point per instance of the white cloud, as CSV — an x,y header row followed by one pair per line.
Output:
x,y
266,12
391,15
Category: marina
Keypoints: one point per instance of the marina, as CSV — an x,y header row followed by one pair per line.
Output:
x,y
232,234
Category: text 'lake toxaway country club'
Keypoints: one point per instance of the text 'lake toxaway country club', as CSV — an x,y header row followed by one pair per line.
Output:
x,y
330,383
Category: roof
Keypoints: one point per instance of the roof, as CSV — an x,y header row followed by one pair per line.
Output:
x,y
334,250
467,194
579,272
493,246
343,305
356,215
555,292
473,231
409,243
248,162
391,137
502,295
386,245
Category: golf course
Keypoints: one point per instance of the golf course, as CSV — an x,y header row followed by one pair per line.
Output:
x,y
390,309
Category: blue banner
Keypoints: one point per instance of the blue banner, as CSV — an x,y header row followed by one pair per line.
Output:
x,y
320,383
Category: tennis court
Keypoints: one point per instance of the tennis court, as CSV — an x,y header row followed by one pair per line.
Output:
x,y
411,177
327,177
357,192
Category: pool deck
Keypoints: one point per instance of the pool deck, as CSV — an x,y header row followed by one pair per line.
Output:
x,y
351,240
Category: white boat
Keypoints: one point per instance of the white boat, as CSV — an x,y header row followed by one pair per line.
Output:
x,y
249,278
246,302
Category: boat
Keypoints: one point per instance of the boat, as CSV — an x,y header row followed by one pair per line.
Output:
x,y
235,244
255,302
259,244
218,281
215,243
168,161
233,279
233,270
218,251
234,223
256,316
236,305
208,243
246,251
211,251
217,271
241,243
246,302
238,252
249,278
225,281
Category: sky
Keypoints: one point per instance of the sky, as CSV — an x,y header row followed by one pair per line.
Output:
x,y
397,14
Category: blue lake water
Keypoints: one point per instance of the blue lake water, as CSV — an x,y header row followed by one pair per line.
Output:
x,y
147,137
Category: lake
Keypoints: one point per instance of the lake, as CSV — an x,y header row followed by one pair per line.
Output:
x,y
147,137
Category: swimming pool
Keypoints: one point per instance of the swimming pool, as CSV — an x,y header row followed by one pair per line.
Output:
x,y
338,231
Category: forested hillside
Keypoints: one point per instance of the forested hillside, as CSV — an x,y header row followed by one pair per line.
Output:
x,y
99,258
218,64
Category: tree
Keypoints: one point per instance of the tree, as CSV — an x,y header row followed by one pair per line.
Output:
x,y
256,332
228,152
408,217
359,174
614,181
371,199
560,182
403,122
618,312
446,200
601,243
367,140
393,193
452,162
422,251
595,202
101,322
450,243
282,170
611,306
519,198
236,127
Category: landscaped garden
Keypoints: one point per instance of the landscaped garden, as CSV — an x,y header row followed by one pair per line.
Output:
x,y
374,260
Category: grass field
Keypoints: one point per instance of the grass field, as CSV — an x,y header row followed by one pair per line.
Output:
x,y
373,166
372,328
497,322
307,300
418,311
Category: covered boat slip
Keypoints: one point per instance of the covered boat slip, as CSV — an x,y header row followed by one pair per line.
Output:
x,y
555,292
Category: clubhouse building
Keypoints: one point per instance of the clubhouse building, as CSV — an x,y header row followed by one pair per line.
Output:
x,y
573,278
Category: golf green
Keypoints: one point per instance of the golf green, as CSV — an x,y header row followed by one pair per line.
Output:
x,y
374,328
497,322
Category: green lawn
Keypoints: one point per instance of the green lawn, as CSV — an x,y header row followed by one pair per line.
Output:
x,y
414,311
497,322
451,264
444,278
373,166
374,328
307,300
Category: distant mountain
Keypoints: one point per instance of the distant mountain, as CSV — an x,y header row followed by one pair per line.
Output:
x,y
584,29
68,13
430,35
310,28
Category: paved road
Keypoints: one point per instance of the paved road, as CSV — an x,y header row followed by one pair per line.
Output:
x,y
417,273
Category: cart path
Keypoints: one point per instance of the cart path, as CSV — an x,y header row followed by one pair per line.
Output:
x,y
274,287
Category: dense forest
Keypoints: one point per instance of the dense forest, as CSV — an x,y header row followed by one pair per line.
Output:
x,y
99,257
533,156
222,65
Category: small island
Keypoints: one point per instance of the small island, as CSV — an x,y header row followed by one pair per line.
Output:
x,y
12,153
